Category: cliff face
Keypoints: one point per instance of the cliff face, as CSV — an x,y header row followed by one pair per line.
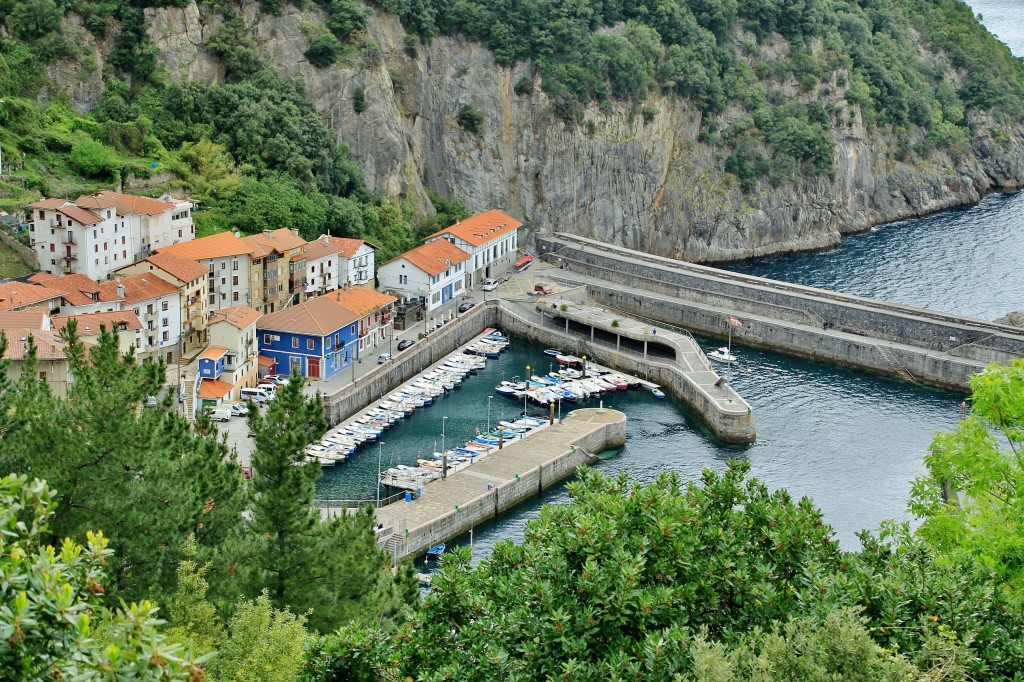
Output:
x,y
649,185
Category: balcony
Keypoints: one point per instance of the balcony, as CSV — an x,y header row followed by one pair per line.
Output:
x,y
70,257
69,239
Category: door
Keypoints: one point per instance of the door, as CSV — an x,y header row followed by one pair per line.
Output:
x,y
313,368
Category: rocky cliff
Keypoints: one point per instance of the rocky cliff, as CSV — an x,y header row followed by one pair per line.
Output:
x,y
646,184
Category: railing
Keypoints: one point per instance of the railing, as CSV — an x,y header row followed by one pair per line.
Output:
x,y
358,504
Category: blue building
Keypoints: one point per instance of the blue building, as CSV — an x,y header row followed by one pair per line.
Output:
x,y
317,339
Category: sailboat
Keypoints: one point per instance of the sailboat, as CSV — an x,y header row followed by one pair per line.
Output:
x,y
724,353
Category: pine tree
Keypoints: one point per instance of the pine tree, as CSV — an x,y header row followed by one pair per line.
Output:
x,y
331,569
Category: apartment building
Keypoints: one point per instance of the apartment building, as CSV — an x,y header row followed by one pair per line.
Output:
x,y
81,295
357,268
227,260
155,303
433,272
89,327
96,234
25,329
323,259
274,275
490,238
191,278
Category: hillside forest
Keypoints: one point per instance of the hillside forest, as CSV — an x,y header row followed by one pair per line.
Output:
x,y
766,77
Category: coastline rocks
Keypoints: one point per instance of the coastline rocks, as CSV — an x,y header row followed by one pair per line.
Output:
x,y
1012,319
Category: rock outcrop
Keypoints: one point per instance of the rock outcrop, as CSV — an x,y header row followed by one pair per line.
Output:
x,y
646,184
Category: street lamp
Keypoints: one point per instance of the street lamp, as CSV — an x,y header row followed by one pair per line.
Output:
x,y
444,420
584,366
380,452
489,399
527,390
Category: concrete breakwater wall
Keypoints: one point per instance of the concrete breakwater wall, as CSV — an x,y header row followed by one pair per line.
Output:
x,y
969,338
729,418
387,377
450,507
841,349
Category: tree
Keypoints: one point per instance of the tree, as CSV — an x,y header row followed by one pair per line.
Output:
x,y
93,159
612,585
139,475
323,50
52,622
330,570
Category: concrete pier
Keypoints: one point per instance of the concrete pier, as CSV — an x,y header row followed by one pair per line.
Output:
x,y
925,346
664,357
452,506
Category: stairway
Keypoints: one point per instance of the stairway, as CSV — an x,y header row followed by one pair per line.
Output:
x,y
902,371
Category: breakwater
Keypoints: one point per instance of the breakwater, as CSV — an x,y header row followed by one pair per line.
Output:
x,y
930,347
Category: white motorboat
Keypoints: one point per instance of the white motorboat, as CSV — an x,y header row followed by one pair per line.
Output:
x,y
722,354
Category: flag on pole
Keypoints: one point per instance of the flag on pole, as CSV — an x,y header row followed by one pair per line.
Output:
x,y
735,322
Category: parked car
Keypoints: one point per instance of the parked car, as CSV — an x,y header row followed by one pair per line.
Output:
x,y
466,305
405,343
490,284
279,379
238,409
151,401
383,357
540,289
220,415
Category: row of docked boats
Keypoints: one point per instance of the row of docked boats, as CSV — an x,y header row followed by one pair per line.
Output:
x,y
567,385
480,445
342,441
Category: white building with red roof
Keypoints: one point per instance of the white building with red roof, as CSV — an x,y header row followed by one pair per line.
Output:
x,y
234,330
80,294
192,279
357,263
323,257
25,329
434,273
490,238
91,325
98,233
155,303
228,261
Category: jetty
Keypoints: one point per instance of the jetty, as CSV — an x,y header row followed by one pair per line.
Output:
x,y
920,345
446,508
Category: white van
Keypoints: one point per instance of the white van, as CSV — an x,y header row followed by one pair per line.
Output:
x,y
257,394
221,415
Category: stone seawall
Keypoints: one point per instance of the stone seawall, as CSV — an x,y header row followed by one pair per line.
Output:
x,y
450,507
731,423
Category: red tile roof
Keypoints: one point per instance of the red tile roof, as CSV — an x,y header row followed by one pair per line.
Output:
x,y
318,317
481,228
218,245
33,318
264,361
211,389
349,247
78,289
80,214
48,203
435,257
185,269
89,324
319,248
144,287
48,344
15,294
239,316
281,240
361,301
127,204
213,353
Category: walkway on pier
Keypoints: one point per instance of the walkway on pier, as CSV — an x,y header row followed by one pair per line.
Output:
x,y
449,507
926,346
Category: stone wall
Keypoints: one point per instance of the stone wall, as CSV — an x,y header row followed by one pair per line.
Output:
x,y
24,253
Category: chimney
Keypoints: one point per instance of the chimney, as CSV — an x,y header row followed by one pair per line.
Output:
x,y
339,297
120,291
324,239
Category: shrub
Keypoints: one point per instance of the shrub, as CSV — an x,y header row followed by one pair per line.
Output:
x,y
93,159
323,50
358,101
564,307
615,323
524,86
471,119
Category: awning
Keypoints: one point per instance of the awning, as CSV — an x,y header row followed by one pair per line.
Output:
x,y
524,260
264,361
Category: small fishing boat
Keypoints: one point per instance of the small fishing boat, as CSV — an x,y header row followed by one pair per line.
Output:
x,y
568,360
435,551
723,354
658,393
553,352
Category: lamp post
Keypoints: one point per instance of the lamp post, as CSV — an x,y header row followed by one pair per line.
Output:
x,y
444,454
444,420
526,391
584,366
380,452
489,398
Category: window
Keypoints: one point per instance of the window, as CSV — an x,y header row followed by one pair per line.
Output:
x,y
164,322
234,280
337,338
42,375
149,309
42,215
167,336
95,248
53,261
105,245
179,233
295,342
234,263
213,298
163,306
309,344
223,281
223,265
234,296
211,268
53,247
352,329
266,339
